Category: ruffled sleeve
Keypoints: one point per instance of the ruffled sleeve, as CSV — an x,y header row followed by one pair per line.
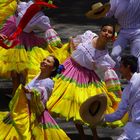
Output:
x,y
50,34
87,36
112,81
44,87
40,94
39,24
106,66
43,22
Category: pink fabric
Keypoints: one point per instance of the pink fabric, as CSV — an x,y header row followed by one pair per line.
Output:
x,y
27,39
80,74
46,118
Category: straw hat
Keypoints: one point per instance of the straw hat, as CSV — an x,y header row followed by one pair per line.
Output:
x,y
92,110
98,10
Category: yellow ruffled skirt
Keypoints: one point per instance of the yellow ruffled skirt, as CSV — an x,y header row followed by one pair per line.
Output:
x,y
28,54
22,124
7,8
74,86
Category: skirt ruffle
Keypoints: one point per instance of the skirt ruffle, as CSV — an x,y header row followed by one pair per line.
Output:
x,y
7,5
72,87
28,54
15,124
21,123
3,65
48,129
7,129
18,59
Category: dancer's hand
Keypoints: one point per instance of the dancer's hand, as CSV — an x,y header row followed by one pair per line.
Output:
x,y
72,46
26,90
3,37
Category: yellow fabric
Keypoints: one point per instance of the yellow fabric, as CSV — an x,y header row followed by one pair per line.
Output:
x,y
24,126
35,103
3,114
49,134
61,53
36,55
19,59
8,132
7,8
12,129
67,97
125,118
3,65
20,113
15,59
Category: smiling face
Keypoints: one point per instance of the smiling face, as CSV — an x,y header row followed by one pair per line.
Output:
x,y
106,33
47,64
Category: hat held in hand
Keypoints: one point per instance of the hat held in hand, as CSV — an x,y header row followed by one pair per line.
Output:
x,y
92,110
98,10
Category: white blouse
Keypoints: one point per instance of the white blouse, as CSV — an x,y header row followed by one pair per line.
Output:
x,y
44,87
89,57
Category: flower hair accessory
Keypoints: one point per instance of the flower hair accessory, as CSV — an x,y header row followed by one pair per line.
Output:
x,y
60,68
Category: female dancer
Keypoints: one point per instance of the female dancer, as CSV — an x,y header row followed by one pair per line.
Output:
x,y
33,41
79,81
28,117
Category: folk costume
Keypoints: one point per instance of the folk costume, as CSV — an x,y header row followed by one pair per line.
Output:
x,y
37,40
79,81
28,117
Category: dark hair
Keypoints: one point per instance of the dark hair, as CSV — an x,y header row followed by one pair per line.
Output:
x,y
109,24
56,65
130,60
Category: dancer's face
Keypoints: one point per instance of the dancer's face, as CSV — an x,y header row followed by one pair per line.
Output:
x,y
47,63
106,33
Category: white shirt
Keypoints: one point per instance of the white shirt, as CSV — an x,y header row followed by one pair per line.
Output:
x,y
87,56
130,95
126,12
44,86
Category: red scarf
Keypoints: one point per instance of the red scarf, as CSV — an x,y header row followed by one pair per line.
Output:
x,y
30,12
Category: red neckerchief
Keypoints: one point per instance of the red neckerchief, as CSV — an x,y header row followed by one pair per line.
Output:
x,y
30,12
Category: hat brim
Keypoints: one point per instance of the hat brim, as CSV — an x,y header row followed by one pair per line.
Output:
x,y
99,12
97,103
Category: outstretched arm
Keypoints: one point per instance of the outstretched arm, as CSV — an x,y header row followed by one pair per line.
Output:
x,y
72,44
123,106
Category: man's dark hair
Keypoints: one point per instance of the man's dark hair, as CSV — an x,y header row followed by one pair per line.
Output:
x,y
131,61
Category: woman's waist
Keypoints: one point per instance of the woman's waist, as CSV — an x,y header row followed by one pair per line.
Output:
x,y
82,62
